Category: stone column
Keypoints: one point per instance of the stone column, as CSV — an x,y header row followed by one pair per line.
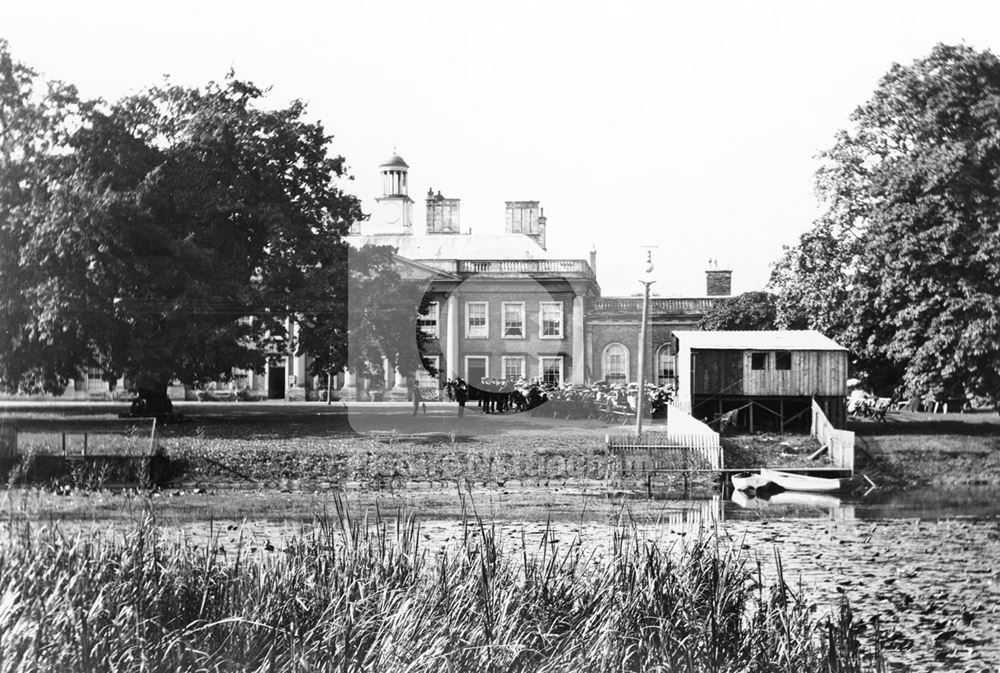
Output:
x,y
578,352
301,377
451,344
398,392
588,345
350,389
387,374
289,370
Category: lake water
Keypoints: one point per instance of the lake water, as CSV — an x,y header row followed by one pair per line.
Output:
x,y
925,562
878,504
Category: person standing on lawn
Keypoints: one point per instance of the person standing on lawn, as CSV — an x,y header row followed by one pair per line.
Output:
x,y
461,395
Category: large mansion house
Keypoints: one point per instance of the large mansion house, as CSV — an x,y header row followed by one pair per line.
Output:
x,y
502,307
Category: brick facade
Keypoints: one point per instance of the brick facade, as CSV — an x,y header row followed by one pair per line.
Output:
x,y
603,331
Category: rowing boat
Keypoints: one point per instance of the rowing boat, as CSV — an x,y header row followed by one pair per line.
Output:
x,y
800,482
786,480
744,480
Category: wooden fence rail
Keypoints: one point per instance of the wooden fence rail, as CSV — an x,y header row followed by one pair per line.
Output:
x,y
840,443
72,441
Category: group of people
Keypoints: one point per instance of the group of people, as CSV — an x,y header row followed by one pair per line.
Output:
x,y
865,405
494,396
601,400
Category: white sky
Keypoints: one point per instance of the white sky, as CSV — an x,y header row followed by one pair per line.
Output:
x,y
692,126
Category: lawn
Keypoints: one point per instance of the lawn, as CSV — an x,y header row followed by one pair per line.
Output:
x,y
911,449
306,446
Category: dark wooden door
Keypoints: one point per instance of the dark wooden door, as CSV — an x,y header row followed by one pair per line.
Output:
x,y
475,371
276,383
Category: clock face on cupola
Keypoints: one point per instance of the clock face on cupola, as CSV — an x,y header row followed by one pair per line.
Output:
x,y
391,211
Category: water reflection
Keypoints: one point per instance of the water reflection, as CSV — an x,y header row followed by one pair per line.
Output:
x,y
693,514
941,502
923,503
863,504
785,504
761,500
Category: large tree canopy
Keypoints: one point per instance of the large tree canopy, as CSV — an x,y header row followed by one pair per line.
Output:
x,y
170,235
904,266
753,311
36,118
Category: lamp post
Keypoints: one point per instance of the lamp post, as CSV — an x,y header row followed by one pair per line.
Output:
x,y
640,397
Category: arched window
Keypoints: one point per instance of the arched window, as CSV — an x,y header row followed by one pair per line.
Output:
x,y
666,371
616,363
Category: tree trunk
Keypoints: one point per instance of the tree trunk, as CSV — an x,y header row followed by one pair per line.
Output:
x,y
152,402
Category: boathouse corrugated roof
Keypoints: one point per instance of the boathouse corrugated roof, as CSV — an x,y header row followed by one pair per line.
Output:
x,y
785,340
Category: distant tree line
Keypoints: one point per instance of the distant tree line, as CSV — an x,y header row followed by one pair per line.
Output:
x,y
903,266
752,311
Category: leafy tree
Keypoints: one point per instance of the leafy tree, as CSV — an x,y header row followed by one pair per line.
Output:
x,y
904,266
171,235
749,311
36,119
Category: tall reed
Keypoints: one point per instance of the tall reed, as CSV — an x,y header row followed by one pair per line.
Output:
x,y
362,595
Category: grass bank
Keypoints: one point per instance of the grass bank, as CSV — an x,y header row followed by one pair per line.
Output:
x,y
310,445
918,449
906,450
363,595
314,446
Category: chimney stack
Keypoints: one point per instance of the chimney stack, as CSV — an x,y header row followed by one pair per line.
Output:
x,y
442,214
718,282
525,217
593,260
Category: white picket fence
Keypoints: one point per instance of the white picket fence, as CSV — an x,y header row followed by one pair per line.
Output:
x,y
686,445
840,443
682,404
661,451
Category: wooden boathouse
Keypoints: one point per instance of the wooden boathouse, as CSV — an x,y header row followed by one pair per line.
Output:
x,y
763,380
